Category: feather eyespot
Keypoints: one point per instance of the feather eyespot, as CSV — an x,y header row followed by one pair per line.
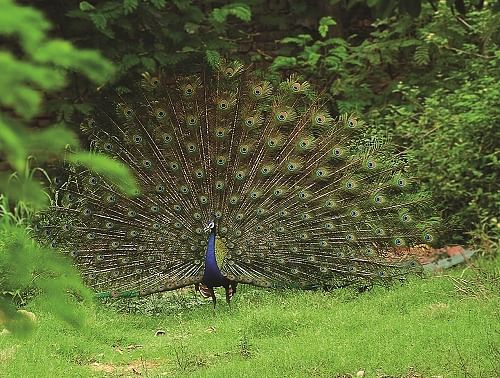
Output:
x,y
203,200
320,119
354,213
296,87
192,120
188,90
155,81
321,172
220,133
337,152
428,237
257,91
229,72
160,113
160,188
405,218
371,164
223,105
352,123
93,180
108,146
147,163
282,116
221,160
250,121
137,139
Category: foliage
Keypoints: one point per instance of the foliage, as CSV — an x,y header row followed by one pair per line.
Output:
x,y
281,334
432,88
34,66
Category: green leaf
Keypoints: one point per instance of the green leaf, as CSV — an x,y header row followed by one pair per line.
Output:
x,y
148,63
86,6
238,10
282,62
129,6
324,24
116,172
300,40
12,138
213,58
99,20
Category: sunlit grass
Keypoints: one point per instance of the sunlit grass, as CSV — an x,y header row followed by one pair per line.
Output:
x,y
445,325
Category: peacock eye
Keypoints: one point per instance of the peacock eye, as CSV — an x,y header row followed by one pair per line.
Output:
x,y
296,87
155,81
257,91
229,71
92,181
281,116
128,112
160,188
428,237
161,114
108,147
370,164
188,91
249,121
137,139
352,122
147,163
223,105
320,119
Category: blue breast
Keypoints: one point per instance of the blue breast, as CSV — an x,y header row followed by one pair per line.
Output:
x,y
212,276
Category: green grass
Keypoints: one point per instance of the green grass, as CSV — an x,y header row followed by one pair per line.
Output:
x,y
445,325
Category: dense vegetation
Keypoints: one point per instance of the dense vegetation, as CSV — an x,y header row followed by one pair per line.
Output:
x,y
424,74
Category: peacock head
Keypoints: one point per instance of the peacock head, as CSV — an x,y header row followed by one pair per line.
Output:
x,y
210,226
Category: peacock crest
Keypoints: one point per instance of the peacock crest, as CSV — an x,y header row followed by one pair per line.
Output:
x,y
241,181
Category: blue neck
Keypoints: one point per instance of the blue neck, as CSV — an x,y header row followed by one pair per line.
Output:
x,y
212,276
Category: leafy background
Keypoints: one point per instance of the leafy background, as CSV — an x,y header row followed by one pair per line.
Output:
x,y
423,73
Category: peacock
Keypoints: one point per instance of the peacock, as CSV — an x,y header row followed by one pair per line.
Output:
x,y
241,181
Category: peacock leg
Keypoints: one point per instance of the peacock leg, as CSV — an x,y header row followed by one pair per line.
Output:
x,y
212,294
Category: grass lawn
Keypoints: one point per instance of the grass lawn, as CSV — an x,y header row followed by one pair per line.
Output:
x,y
446,325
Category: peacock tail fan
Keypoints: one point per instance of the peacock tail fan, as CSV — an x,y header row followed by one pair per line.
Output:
x,y
297,200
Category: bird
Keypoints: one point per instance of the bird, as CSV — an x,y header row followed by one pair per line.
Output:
x,y
242,180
